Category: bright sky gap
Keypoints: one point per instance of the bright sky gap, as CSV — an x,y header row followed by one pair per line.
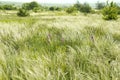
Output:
x,y
61,1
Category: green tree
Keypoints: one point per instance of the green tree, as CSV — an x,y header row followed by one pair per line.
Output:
x,y
26,6
30,6
100,5
85,8
110,12
78,5
33,5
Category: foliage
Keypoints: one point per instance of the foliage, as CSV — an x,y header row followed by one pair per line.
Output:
x,y
85,8
100,5
118,7
110,11
23,13
26,6
36,9
53,8
30,6
33,5
71,10
119,11
78,6
8,7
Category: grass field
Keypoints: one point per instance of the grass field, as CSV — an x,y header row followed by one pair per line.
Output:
x,y
59,46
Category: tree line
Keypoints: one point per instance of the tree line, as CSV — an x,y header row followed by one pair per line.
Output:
x,y
8,7
110,10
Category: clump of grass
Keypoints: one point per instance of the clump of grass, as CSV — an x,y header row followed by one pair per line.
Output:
x,y
51,53
116,37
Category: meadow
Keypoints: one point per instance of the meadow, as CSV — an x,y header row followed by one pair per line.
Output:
x,y
59,46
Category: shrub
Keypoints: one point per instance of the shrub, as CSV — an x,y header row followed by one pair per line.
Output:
x,y
23,13
110,12
85,8
71,10
118,7
52,8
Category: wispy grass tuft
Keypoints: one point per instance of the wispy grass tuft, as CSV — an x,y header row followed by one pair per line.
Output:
x,y
43,51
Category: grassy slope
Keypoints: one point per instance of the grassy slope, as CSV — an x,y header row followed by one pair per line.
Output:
x,y
50,47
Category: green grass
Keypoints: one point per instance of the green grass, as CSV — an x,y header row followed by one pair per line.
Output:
x,y
63,47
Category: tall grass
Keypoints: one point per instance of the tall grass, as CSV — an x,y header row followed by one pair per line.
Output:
x,y
47,52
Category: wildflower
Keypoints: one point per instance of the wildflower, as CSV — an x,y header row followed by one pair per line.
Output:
x,y
92,38
49,37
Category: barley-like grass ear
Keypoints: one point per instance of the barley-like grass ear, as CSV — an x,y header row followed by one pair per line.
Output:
x,y
48,46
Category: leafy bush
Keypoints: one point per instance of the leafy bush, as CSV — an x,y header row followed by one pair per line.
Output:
x,y
110,12
23,13
71,10
118,7
52,8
